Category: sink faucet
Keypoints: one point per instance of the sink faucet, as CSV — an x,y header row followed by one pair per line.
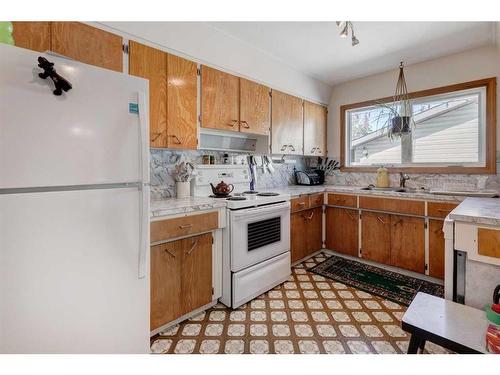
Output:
x,y
403,177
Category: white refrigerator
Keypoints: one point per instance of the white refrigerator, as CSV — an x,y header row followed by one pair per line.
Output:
x,y
74,209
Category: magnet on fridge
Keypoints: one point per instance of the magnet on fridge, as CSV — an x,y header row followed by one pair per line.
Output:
x,y
133,108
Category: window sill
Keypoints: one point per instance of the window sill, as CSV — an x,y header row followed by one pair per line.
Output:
x,y
489,169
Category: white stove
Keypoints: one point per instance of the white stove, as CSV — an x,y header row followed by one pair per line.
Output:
x,y
256,241
238,176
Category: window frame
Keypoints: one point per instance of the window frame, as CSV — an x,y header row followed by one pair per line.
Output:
x,y
490,129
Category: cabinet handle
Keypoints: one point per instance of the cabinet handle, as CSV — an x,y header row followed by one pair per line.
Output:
x,y
319,150
192,247
443,210
245,124
291,146
349,214
313,149
185,226
169,252
308,217
232,123
176,139
284,147
158,135
380,219
301,203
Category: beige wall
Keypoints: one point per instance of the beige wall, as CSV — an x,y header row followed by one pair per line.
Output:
x,y
466,66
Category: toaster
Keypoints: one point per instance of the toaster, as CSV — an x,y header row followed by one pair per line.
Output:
x,y
309,177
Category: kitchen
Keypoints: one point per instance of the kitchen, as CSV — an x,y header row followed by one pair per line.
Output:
x,y
183,202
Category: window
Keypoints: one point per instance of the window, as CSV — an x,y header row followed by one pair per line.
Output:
x,y
453,132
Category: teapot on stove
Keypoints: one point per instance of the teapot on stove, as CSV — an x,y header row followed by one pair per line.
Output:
x,y
222,188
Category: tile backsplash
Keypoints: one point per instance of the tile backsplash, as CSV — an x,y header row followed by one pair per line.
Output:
x,y
163,164
163,184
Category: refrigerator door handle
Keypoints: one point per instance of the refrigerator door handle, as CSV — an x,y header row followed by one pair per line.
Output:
x,y
144,188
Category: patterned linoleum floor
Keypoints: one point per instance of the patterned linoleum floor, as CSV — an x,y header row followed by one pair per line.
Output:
x,y
306,314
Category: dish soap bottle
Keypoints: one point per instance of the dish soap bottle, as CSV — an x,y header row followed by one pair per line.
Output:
x,y
382,177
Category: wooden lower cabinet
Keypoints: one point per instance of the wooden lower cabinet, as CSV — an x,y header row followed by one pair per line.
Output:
x,y
32,35
181,278
306,233
342,226
408,243
376,237
436,249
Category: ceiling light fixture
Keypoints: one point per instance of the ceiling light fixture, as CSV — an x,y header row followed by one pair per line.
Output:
x,y
344,33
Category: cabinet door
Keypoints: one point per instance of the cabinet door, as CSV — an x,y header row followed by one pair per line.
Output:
x,y
342,230
314,230
220,100
376,237
182,94
151,64
408,243
166,293
255,114
298,241
314,129
87,44
32,35
196,272
436,249
286,124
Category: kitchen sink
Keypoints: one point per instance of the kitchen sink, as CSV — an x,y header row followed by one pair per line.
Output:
x,y
394,189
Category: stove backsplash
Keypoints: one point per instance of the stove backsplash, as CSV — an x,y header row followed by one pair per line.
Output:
x,y
427,180
163,163
163,185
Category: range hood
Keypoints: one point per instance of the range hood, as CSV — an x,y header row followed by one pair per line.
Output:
x,y
232,141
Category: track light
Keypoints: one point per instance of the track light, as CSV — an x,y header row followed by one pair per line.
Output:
x,y
344,33
355,41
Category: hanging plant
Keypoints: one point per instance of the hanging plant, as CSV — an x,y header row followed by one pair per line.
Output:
x,y
399,119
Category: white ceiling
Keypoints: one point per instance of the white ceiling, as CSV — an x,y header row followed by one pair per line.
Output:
x,y
316,49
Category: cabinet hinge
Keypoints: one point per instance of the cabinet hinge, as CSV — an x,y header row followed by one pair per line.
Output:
x,y
360,252
426,267
199,119
323,243
271,94
125,48
212,240
198,72
425,225
213,291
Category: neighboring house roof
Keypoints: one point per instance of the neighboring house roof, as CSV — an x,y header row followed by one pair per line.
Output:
x,y
418,118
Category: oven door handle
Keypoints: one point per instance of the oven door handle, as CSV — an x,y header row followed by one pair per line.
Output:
x,y
278,208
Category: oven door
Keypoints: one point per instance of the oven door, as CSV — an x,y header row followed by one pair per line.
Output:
x,y
258,234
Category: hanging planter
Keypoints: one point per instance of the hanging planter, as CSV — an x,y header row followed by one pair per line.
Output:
x,y
399,119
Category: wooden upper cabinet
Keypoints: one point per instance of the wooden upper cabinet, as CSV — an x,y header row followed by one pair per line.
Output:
x,y
87,44
220,100
32,35
408,243
182,93
255,114
286,124
314,129
376,237
151,64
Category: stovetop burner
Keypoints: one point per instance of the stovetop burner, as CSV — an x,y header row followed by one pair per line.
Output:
x,y
250,192
238,198
268,194
220,196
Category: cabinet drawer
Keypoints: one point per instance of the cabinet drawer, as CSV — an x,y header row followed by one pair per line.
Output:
x,y
342,200
439,209
402,206
316,200
300,203
183,226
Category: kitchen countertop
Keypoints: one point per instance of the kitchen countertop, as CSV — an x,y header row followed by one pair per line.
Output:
x,y
478,211
173,206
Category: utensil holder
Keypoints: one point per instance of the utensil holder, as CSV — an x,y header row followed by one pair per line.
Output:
x,y
183,189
